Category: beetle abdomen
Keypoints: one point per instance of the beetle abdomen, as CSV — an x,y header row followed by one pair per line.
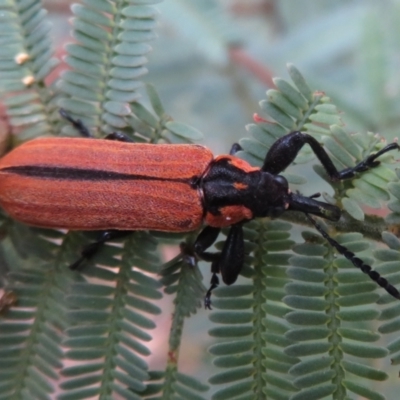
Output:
x,y
85,184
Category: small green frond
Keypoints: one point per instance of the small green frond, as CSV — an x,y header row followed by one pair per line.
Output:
x,y
33,242
26,60
31,333
108,323
182,277
328,298
115,35
250,320
292,108
159,128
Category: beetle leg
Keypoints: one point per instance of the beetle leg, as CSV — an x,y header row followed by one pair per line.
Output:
x,y
283,152
84,131
375,276
205,239
214,284
91,249
229,262
232,255
76,123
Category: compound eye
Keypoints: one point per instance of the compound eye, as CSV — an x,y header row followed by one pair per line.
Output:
x,y
282,181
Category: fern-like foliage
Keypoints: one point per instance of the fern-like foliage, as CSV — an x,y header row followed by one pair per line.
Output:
x,y
109,320
390,316
26,60
330,300
301,338
250,321
182,278
112,34
31,352
291,331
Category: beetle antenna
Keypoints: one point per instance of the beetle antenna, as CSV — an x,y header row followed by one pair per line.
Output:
x,y
357,262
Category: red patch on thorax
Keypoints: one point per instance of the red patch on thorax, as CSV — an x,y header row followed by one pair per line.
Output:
x,y
228,216
240,186
237,162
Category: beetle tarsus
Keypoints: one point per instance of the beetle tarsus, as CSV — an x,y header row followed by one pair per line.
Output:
x,y
77,123
371,162
214,284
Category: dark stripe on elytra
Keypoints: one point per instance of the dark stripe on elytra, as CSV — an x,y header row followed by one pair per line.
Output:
x,y
77,174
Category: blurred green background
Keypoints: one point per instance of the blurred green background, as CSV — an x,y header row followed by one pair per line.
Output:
x,y
213,61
